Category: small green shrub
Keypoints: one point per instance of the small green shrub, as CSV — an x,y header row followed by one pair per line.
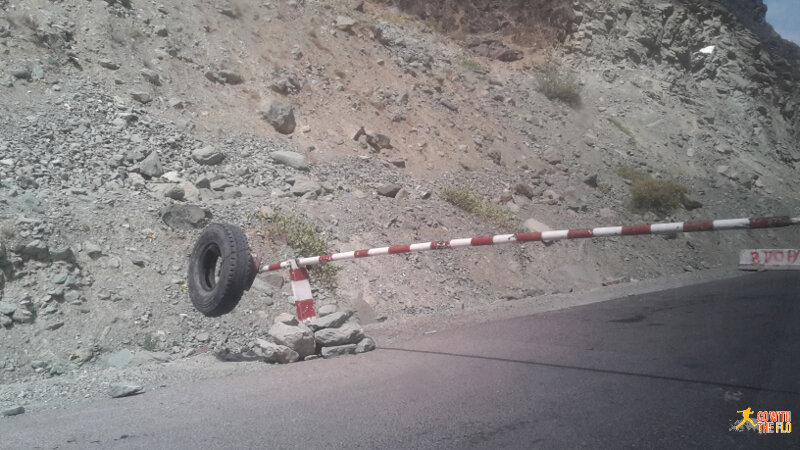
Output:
x,y
650,194
629,173
300,235
149,343
474,66
397,19
473,204
558,83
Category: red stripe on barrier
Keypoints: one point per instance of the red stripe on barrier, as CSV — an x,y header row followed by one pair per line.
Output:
x,y
698,226
529,237
441,245
299,274
305,309
399,249
361,253
275,266
484,240
580,233
325,258
769,222
633,230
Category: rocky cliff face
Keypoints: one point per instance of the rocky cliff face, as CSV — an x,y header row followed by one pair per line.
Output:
x,y
712,57
748,57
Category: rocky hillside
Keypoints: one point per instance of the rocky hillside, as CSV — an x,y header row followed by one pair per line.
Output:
x,y
127,126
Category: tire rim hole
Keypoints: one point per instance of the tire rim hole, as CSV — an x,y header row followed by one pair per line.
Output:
x,y
212,267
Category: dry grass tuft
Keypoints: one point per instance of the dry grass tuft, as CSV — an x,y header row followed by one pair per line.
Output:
x,y
300,235
653,195
473,204
558,83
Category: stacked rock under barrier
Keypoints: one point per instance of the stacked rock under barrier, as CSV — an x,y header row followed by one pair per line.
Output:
x,y
332,333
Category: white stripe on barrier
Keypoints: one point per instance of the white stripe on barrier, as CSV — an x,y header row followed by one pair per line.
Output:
x,y
607,231
503,238
730,224
555,235
666,228
344,255
466,242
420,247
301,290
378,251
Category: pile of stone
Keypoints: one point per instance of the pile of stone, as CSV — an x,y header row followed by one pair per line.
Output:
x,y
332,333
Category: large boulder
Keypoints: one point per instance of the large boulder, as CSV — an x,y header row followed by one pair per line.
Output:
x,y
230,77
332,320
35,249
292,159
325,310
378,141
389,190
151,166
208,156
151,76
365,345
348,333
303,186
118,390
339,350
345,23
185,217
278,354
7,309
280,115
297,337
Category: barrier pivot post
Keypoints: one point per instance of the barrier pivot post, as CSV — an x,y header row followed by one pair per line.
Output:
x,y
301,290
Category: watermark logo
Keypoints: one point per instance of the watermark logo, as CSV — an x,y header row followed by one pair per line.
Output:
x,y
766,422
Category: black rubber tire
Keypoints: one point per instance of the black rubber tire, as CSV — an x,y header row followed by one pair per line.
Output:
x,y
222,248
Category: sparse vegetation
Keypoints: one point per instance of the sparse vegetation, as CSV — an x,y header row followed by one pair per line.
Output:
x,y
472,203
604,188
397,19
459,35
434,25
629,173
471,64
651,194
7,229
300,235
149,343
558,83
124,34
627,131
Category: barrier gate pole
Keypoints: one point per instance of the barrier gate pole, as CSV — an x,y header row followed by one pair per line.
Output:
x,y
302,289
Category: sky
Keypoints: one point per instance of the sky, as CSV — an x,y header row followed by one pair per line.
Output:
x,y
784,16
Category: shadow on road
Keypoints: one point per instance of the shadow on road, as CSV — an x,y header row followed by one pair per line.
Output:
x,y
604,371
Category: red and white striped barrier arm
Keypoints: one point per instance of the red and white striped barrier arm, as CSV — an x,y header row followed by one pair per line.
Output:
x,y
301,291
580,233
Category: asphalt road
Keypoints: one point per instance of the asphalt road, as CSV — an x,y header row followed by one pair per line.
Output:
x,y
653,371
